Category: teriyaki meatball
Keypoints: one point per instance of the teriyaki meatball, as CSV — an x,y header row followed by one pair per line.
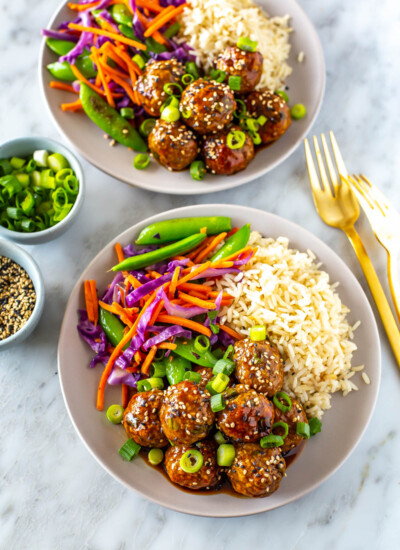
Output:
x,y
291,417
141,419
220,158
274,109
247,65
173,145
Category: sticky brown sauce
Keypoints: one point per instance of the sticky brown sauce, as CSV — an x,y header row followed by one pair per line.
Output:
x,y
224,486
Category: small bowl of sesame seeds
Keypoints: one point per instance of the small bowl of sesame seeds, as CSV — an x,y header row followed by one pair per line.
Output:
x,y
21,294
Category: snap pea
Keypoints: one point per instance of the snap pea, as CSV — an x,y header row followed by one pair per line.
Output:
x,y
185,348
172,230
164,253
235,243
62,70
60,47
109,120
121,14
175,369
112,326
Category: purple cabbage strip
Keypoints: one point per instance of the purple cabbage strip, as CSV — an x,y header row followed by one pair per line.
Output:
x,y
119,376
90,333
140,276
175,263
225,339
64,25
129,250
107,17
132,5
124,102
99,358
103,4
242,261
108,295
85,41
59,35
133,297
180,311
102,40
217,272
138,28
173,330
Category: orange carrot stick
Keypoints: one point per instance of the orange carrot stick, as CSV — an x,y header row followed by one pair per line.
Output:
x,y
174,280
167,345
95,59
193,273
95,304
74,106
89,301
107,48
204,289
123,55
126,87
112,35
231,332
80,77
82,7
216,240
62,86
156,312
196,301
232,256
111,71
172,320
107,307
149,358
124,395
163,19
120,253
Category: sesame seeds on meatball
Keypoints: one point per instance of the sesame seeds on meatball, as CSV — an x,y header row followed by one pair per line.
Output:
x,y
141,419
276,111
173,145
246,65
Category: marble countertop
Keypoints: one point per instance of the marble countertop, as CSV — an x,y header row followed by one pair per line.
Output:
x,y
53,494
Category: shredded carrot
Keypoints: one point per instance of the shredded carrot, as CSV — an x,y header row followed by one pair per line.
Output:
x,y
225,295
149,5
167,345
126,87
95,59
89,301
162,14
95,304
111,71
204,289
154,274
120,252
123,55
231,332
149,358
163,19
193,273
157,35
107,307
62,86
107,48
213,244
133,368
174,280
134,282
82,7
156,312
232,256
124,395
172,320
201,247
74,106
196,301
125,316
112,35
232,232
108,368
80,77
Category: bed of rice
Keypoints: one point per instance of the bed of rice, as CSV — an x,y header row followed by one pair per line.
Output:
x,y
285,290
209,26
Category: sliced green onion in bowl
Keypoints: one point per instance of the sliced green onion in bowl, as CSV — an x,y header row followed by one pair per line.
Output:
x,y
141,161
283,95
155,456
197,170
147,126
217,403
235,139
115,414
191,461
303,429
315,426
298,111
170,114
17,163
129,450
284,426
40,157
219,437
282,396
246,44
270,441
234,83
57,162
226,454
201,344
258,333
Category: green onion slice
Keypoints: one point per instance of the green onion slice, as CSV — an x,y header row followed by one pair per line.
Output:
x,y
147,126
298,111
251,124
258,333
228,352
127,112
234,83
149,384
217,75
115,414
218,383
170,114
155,456
192,376
225,366
315,426
282,396
225,455
57,162
201,344
191,461
129,450
169,88
187,79
270,441
192,68
255,138
243,109
235,139
157,369
197,170
284,426
217,402
219,438
283,95
141,161
303,429
138,59
246,44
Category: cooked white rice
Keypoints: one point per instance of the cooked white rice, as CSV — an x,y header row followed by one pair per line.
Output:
x,y
285,290
210,26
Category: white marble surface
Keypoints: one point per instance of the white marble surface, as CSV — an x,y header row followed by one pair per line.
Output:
x,y
53,495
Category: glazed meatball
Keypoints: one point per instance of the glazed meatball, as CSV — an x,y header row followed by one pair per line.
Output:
x,y
141,419
259,365
207,106
247,417
206,375
186,415
150,85
256,472
221,159
247,65
276,111
208,475
296,414
173,145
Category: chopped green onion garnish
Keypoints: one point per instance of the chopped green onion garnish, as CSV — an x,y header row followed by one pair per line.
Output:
x,y
115,414
217,403
23,179
270,441
187,79
191,461
258,333
315,426
138,59
192,376
235,139
219,438
246,44
147,126
57,162
255,138
198,170
303,429
201,344
169,88
262,120
170,114
141,161
284,426
225,455
251,124
298,111
234,83
226,366
127,112
192,68
17,162
283,95
149,384
217,75
228,352
281,395
158,369
186,113
129,450
155,456
219,383
243,109
5,167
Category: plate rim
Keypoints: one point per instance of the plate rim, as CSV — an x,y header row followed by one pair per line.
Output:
x,y
308,235
209,187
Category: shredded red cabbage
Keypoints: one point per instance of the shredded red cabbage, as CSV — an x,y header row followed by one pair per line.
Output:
x,y
225,339
59,35
91,334
180,311
85,41
119,376
216,272
173,330
133,297
107,17
108,295
242,261
99,358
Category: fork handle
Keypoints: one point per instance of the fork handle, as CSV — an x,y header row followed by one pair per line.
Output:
x,y
377,292
393,275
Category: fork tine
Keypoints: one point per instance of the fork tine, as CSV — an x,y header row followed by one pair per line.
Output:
x,y
325,182
379,197
314,180
329,162
338,156
362,197
360,187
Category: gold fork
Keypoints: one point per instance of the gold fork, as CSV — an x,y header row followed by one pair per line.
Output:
x,y
340,209
385,223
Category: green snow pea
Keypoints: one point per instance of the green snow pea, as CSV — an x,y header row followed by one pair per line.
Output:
x,y
172,230
121,14
185,348
112,326
235,243
62,70
60,47
176,368
109,120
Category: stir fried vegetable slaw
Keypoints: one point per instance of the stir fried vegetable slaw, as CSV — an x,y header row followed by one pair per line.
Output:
x,y
161,309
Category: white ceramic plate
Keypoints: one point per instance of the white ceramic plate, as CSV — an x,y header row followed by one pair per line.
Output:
x,y
322,454
306,85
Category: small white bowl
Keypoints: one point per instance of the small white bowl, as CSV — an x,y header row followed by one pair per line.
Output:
x,y
25,260
25,146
